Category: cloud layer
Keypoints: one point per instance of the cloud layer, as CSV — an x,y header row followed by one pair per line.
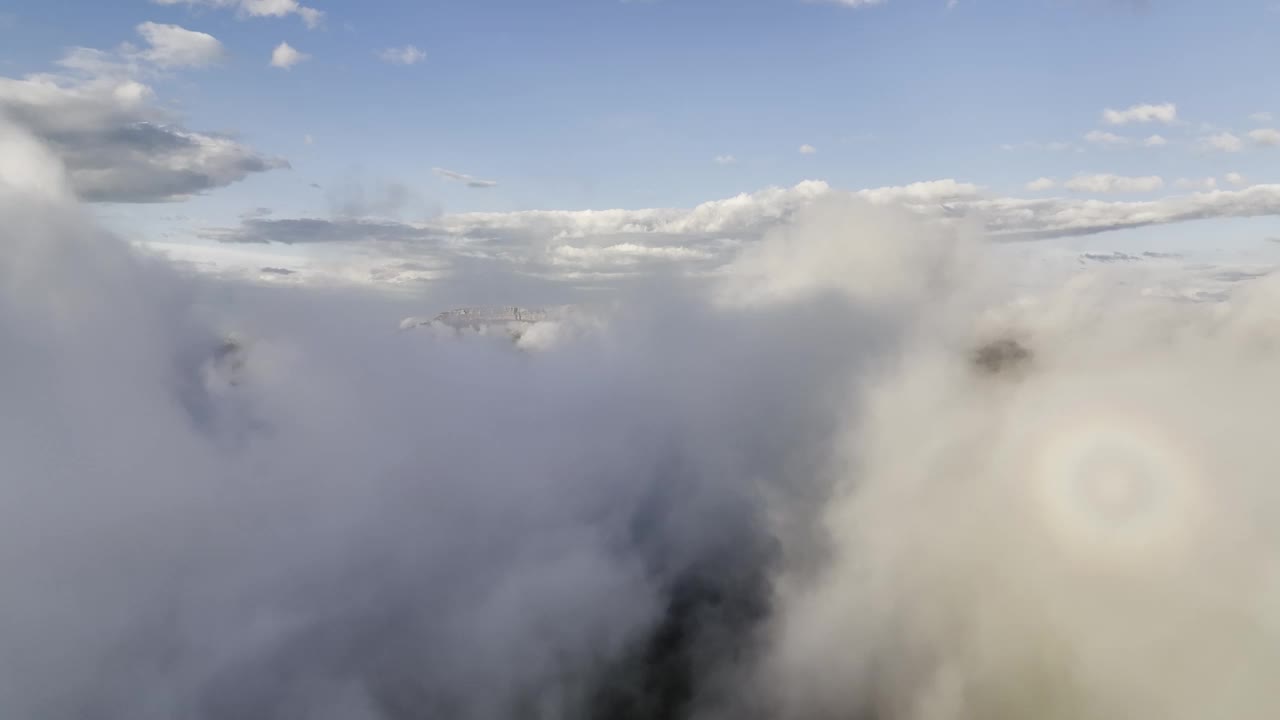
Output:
x,y
612,245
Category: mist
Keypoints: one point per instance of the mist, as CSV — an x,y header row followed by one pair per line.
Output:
x,y
855,472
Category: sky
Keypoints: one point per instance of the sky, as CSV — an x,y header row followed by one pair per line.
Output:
x,y
413,111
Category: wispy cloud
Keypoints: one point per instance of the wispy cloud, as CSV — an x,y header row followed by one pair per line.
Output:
x,y
848,3
1197,184
1166,113
1107,183
468,180
1224,142
255,213
807,149
1055,146
1101,137
724,160
1265,136
258,8
407,55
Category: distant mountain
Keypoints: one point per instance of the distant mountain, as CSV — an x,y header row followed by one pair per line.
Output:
x,y
478,318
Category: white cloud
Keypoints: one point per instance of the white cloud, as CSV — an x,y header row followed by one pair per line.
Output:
x,y
1155,141
929,192
118,144
285,56
808,149
407,55
1261,117
1106,183
1200,184
308,139
467,180
174,46
1236,179
1166,113
1224,142
1101,137
258,8
1041,184
1265,136
724,160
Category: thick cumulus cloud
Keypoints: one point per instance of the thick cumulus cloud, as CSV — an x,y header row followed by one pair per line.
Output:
x,y
282,507
854,473
101,119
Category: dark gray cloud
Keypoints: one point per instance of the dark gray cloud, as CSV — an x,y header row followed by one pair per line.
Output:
x,y
296,231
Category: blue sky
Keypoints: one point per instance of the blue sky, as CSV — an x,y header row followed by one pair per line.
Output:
x,y
600,104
